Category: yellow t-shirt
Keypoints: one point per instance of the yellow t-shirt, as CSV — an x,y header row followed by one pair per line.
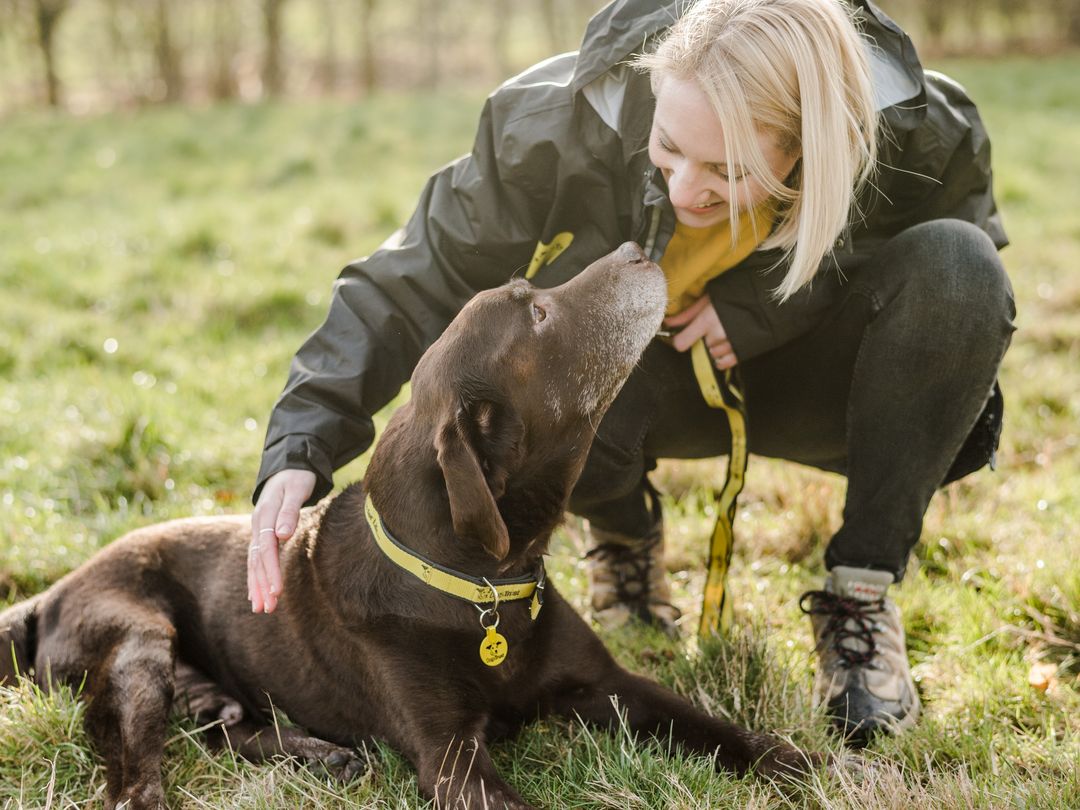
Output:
x,y
694,256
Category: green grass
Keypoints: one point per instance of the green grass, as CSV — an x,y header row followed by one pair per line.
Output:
x,y
158,270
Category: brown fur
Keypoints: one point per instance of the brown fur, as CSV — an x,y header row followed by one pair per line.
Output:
x,y
474,473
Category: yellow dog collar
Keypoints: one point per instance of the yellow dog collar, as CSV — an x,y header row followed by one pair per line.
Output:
x,y
471,589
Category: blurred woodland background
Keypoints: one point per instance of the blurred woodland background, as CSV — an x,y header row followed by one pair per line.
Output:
x,y
88,55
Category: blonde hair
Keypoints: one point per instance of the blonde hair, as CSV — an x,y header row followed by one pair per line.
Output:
x,y
796,69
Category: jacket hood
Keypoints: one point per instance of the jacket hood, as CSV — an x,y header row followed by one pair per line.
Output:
x,y
618,30
624,27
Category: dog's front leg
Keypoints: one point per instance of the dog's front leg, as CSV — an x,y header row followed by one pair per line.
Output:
x,y
587,682
649,708
459,775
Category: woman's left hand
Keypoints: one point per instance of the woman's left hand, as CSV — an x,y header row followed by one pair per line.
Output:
x,y
699,320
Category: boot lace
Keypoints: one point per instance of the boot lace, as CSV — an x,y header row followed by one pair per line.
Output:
x,y
630,565
848,619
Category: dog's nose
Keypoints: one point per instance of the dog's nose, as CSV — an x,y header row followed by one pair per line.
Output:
x,y
631,252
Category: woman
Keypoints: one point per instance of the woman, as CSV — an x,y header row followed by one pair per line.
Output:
x,y
823,211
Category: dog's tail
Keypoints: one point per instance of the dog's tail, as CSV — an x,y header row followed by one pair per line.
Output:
x,y
18,639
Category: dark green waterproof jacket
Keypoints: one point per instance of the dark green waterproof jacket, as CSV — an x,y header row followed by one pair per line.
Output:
x,y
558,176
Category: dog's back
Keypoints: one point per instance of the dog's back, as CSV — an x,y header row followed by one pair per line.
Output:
x,y
185,552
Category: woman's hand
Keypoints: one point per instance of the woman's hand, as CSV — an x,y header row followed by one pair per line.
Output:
x,y
699,320
275,518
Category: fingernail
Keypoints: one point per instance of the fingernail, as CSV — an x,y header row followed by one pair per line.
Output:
x,y
273,591
280,530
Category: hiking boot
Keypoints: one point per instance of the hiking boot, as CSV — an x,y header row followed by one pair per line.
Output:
x,y
627,580
862,677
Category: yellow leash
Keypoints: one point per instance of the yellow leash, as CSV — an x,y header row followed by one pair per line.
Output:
x,y
716,613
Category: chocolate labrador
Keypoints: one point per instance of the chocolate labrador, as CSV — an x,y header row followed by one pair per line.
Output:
x,y
415,609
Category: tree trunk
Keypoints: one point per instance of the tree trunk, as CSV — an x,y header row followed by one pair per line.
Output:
x,y
47,15
500,38
328,67
934,14
973,14
166,54
223,84
1014,15
550,15
369,78
273,77
431,39
1072,22
119,46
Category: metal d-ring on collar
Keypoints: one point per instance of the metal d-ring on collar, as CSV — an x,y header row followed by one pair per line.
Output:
x,y
493,610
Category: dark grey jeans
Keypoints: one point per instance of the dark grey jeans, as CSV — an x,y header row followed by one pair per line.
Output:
x,y
886,390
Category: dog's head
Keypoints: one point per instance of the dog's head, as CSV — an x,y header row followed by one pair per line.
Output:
x,y
513,390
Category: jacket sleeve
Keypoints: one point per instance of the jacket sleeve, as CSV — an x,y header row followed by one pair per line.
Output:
x,y
473,227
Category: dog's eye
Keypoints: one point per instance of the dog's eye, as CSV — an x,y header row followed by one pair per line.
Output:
x,y
538,313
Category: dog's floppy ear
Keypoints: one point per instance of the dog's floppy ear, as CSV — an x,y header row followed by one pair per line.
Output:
x,y
476,447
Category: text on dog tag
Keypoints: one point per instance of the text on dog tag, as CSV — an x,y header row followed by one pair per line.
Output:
x,y
493,648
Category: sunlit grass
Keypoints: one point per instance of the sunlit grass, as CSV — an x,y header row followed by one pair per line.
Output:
x,y
159,269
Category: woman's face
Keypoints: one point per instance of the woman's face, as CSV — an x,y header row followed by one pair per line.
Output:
x,y
687,145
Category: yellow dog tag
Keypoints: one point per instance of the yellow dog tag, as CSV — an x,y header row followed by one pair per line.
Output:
x,y
493,648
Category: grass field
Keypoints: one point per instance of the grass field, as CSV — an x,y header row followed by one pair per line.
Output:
x,y
158,269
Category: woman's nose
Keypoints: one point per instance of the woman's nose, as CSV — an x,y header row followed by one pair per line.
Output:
x,y
685,188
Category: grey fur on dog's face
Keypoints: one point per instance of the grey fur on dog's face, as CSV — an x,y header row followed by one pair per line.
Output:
x,y
570,347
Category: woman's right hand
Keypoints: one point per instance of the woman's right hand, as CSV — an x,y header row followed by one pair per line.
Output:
x,y
700,321
276,515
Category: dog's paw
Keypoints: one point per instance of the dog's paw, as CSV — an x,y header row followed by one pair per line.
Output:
x,y
849,766
488,798
344,765
230,713
787,763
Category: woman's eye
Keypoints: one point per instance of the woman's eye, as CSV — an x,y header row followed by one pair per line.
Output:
x,y
538,313
727,178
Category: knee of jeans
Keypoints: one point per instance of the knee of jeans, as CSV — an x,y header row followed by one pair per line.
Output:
x,y
956,266
608,476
